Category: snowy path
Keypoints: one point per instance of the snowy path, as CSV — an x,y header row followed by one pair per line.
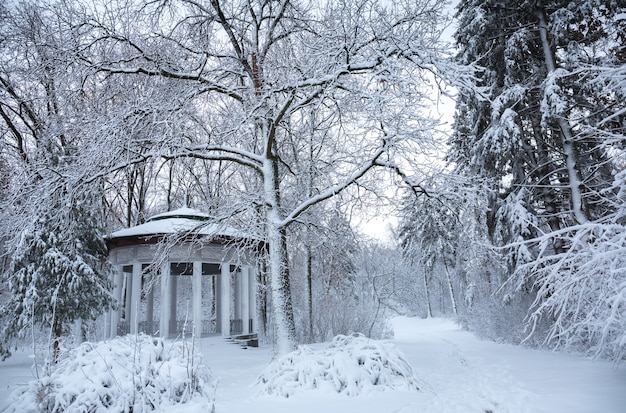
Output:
x,y
458,372
468,374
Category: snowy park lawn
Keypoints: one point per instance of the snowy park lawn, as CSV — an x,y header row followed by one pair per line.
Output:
x,y
454,371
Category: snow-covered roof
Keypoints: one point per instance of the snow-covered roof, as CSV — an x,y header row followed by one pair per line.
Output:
x,y
183,212
180,220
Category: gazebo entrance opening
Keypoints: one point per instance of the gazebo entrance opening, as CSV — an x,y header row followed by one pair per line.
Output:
x,y
181,274
148,302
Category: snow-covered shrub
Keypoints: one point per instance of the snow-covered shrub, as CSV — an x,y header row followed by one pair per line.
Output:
x,y
582,291
126,374
350,365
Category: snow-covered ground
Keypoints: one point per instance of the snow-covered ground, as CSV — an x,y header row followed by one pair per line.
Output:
x,y
455,371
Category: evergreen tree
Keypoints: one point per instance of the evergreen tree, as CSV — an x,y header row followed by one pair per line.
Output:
x,y
443,234
55,269
58,271
544,125
529,125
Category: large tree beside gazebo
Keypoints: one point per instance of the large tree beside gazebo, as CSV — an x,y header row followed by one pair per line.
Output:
x,y
289,103
302,102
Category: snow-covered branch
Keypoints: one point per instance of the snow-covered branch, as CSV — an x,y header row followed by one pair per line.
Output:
x,y
209,86
334,189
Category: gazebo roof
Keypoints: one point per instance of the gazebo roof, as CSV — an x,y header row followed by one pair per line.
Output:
x,y
178,221
183,212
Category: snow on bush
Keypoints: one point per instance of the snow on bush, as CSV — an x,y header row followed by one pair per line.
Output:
x,y
350,365
127,374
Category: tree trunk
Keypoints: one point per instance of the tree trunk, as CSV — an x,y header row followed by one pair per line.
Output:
x,y
569,149
309,281
429,311
450,289
284,326
56,344
548,193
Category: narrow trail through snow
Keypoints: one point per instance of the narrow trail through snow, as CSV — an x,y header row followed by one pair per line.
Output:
x,y
469,374
458,382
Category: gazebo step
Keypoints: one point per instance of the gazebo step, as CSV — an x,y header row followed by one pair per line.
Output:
x,y
245,340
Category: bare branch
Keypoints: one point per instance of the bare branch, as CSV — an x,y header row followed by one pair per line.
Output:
x,y
334,189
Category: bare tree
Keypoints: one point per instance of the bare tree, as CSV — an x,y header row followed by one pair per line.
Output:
x,y
233,81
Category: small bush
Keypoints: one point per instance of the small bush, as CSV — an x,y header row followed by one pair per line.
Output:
x,y
126,374
350,365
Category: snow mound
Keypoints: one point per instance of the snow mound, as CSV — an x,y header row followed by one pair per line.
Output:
x,y
350,365
132,373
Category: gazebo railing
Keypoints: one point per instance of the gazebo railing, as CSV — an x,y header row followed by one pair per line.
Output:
x,y
208,327
146,327
123,328
236,326
149,327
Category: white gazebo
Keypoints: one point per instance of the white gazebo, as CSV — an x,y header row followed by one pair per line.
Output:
x,y
201,285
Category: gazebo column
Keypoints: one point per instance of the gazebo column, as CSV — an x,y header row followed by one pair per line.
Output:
x,y
197,298
225,298
118,281
244,278
135,298
164,320
149,307
252,291
173,303
128,304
